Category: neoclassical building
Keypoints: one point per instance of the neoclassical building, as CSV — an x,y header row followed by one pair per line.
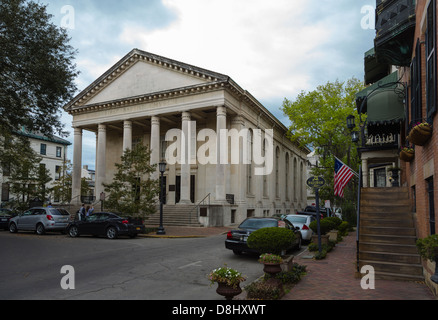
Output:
x,y
237,153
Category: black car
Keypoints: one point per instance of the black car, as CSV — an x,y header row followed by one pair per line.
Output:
x,y
5,216
106,224
236,239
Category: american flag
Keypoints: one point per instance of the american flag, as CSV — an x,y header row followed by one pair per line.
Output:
x,y
343,174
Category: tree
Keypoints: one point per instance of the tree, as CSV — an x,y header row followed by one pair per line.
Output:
x,y
62,186
318,120
36,70
132,191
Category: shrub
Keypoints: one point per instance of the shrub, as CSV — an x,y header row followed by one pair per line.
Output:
x,y
335,221
263,290
292,276
325,226
343,228
271,240
428,247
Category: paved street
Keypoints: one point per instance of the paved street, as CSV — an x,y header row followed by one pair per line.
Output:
x,y
142,268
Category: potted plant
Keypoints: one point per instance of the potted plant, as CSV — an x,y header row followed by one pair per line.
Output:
x,y
394,175
272,263
428,249
228,281
407,154
420,133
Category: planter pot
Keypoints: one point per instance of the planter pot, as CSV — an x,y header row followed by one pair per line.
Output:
x,y
288,263
229,292
272,268
407,156
333,235
324,239
419,135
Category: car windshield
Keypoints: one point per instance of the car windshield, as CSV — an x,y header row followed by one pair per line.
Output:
x,y
258,223
297,219
58,212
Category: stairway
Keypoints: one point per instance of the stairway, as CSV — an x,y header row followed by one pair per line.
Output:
x,y
387,234
175,215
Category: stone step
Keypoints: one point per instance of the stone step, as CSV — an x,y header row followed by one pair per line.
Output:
x,y
388,247
415,270
389,239
397,231
405,222
390,257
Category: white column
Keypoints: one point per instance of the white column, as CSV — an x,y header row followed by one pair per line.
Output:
x,y
127,135
101,159
77,166
185,162
221,123
365,173
155,145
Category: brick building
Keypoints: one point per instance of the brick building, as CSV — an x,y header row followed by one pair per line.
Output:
x,y
401,70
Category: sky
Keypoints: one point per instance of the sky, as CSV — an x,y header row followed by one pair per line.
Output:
x,y
274,49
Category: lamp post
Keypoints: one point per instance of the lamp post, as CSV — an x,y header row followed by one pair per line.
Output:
x,y
162,168
351,125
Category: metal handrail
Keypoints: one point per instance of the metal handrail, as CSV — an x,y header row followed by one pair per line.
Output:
x,y
199,204
358,217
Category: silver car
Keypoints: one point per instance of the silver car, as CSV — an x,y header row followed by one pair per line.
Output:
x,y
40,219
303,222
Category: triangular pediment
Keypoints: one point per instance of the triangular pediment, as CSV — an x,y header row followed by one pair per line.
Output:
x,y
141,73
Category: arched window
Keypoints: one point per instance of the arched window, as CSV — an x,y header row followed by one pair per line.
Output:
x,y
249,161
286,181
277,173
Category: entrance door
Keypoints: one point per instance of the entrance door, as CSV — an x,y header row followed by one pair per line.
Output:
x,y
380,178
178,189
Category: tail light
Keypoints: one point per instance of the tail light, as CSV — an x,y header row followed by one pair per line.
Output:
x,y
305,227
229,235
49,217
125,222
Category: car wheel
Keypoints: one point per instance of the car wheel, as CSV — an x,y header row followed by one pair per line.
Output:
x,y
111,233
13,228
40,229
73,232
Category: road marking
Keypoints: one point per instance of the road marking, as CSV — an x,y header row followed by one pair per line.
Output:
x,y
194,264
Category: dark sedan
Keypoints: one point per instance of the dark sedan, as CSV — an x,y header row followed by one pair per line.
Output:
x,y
5,216
237,239
106,224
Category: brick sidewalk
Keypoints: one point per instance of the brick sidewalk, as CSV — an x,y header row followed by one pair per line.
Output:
x,y
333,278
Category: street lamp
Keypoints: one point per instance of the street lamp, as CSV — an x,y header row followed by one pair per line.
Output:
x,y
162,168
350,122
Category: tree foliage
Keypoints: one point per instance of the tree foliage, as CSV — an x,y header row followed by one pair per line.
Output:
x,y
318,120
132,191
36,69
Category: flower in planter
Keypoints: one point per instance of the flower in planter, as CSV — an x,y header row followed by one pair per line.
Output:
x,y
408,150
226,275
270,258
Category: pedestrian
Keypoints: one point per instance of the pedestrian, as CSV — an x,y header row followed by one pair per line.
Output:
x,y
82,212
90,210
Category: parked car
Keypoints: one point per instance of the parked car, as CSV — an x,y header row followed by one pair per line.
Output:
x,y
106,224
40,219
303,222
5,216
237,239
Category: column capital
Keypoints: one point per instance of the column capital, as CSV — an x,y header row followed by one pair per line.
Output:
x,y
186,116
101,127
127,124
155,120
221,111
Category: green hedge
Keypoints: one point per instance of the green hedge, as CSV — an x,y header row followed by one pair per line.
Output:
x,y
271,240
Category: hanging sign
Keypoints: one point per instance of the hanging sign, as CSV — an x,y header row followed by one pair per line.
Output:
x,y
316,182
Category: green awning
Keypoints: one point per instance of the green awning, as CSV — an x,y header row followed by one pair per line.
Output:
x,y
383,102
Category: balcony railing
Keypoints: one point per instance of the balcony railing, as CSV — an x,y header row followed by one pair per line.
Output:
x,y
395,27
